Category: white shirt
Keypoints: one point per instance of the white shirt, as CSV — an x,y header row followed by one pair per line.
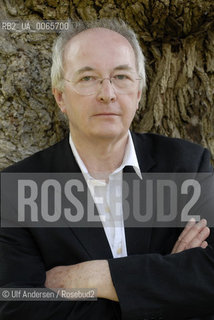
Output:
x,y
108,197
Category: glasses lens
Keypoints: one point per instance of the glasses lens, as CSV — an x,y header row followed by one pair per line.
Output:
x,y
87,87
122,84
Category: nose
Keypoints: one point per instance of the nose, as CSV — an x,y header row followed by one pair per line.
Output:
x,y
106,92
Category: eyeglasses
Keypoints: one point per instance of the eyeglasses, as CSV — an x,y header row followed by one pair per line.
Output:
x,y
88,85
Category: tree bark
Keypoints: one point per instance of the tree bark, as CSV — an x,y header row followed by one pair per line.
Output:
x,y
177,38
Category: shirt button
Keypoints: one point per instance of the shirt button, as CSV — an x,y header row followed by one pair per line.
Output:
x,y
107,209
119,250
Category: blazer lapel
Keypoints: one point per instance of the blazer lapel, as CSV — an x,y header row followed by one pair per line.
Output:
x,y
144,152
92,239
137,238
94,242
92,236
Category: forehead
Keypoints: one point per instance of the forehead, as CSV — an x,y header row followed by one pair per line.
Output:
x,y
98,48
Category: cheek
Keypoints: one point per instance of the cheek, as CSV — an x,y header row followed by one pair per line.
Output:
x,y
130,104
77,110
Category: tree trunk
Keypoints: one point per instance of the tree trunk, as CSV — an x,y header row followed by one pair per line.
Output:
x,y
177,38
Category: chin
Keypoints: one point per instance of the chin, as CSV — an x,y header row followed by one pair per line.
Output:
x,y
106,133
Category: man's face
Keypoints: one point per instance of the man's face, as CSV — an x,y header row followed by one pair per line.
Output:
x,y
106,114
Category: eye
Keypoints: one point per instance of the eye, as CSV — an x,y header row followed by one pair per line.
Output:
x,y
121,77
87,79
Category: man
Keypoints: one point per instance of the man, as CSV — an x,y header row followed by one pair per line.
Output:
x,y
97,78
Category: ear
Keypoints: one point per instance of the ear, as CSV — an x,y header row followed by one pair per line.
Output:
x,y
139,95
59,99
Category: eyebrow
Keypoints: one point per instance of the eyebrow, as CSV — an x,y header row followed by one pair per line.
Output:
x,y
87,68
124,67
120,67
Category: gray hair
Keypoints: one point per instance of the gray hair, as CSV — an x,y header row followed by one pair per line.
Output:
x,y
75,28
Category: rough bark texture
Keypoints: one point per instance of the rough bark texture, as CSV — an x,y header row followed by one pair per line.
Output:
x,y
177,37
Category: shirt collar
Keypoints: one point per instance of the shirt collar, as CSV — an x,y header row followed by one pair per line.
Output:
x,y
130,158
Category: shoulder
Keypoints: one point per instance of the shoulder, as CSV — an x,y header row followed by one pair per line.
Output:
x,y
42,161
160,141
173,152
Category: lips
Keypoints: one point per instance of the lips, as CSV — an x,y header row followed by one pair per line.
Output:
x,y
106,114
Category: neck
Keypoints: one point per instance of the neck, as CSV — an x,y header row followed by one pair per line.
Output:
x,y
101,157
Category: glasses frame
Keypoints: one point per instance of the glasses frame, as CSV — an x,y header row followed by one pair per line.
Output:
x,y
100,80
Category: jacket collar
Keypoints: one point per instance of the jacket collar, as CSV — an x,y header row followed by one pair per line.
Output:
x,y
94,240
143,148
144,151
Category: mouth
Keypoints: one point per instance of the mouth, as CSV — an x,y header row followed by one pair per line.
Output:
x,y
106,114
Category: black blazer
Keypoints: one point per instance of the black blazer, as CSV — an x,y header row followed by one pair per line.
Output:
x,y
150,283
